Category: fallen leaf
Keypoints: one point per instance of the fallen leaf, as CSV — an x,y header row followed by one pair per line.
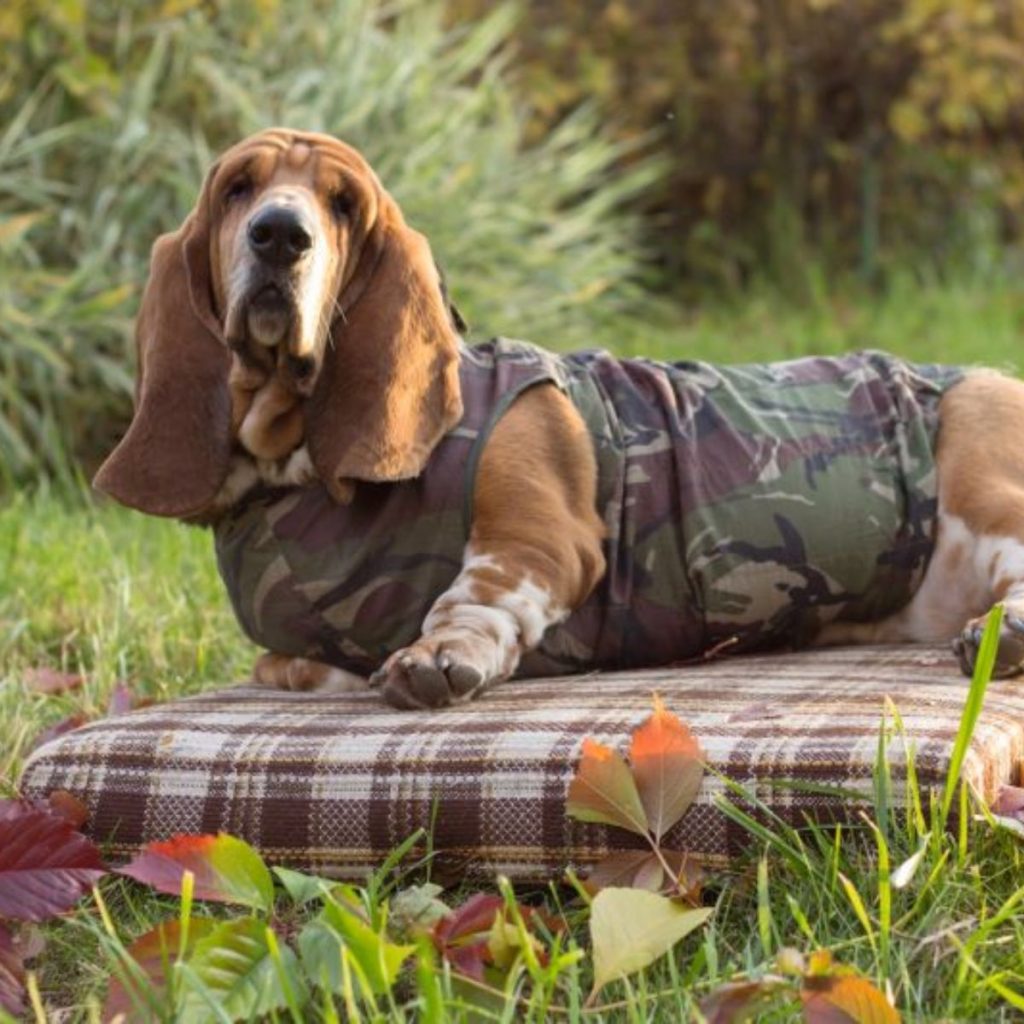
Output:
x,y
45,863
904,873
791,961
48,680
462,937
234,964
152,951
626,869
65,725
69,807
226,869
820,962
466,938
845,1000
667,764
1014,825
630,929
301,888
735,1002
122,699
474,916
604,790
12,975
416,909
321,942
29,941
505,942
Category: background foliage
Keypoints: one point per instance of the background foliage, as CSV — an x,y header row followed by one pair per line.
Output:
x,y
722,178
859,132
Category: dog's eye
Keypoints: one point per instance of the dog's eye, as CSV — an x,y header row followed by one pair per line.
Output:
x,y
341,204
238,189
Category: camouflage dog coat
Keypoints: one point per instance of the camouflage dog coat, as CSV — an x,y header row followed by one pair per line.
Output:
x,y
748,503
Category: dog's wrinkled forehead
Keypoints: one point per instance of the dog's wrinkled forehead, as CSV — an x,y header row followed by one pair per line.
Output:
x,y
334,171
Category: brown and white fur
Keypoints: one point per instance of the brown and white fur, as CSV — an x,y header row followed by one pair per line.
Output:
x,y
326,349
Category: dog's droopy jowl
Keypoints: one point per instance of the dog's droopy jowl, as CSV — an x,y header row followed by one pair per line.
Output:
x,y
391,505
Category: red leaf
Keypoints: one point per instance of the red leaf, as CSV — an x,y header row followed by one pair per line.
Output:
x,y
151,951
123,699
470,959
49,680
739,1001
845,1000
476,915
603,790
667,765
12,975
226,869
69,807
45,864
65,725
462,937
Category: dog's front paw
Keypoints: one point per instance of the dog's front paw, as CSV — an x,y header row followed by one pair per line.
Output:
x,y
438,670
1010,653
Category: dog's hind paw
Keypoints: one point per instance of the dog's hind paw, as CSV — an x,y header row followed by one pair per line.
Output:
x,y
1010,653
287,673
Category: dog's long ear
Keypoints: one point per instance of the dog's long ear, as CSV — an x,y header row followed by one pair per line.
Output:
x,y
389,386
175,455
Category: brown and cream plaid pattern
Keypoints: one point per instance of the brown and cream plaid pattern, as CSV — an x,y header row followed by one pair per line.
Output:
x,y
334,783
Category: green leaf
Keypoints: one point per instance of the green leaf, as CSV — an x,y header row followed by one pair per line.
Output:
x,y
134,991
320,943
226,869
631,928
604,790
232,966
417,909
301,888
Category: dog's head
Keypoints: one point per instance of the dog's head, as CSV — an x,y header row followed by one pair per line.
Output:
x,y
295,264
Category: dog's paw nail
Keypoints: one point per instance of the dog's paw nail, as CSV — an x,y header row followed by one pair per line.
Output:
x,y
465,679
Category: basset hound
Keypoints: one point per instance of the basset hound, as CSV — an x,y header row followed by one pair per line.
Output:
x,y
391,504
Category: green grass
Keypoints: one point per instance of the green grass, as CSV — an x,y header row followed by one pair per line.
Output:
x,y
968,320
116,595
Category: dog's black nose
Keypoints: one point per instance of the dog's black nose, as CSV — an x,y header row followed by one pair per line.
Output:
x,y
278,235
301,367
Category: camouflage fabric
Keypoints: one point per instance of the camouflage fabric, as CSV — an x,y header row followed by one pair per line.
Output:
x,y
749,504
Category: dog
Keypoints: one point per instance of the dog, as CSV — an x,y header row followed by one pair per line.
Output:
x,y
392,504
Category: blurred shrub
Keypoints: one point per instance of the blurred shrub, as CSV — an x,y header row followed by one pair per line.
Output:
x,y
113,110
857,133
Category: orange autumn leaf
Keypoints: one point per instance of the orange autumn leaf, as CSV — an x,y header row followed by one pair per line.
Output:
x,y
668,767
603,790
845,1000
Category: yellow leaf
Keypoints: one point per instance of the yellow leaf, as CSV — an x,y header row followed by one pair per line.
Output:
x,y
631,928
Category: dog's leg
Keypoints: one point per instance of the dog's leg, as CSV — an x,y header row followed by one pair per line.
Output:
x,y
979,552
287,673
534,555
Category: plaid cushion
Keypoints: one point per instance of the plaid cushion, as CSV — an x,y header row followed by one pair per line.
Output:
x,y
336,782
